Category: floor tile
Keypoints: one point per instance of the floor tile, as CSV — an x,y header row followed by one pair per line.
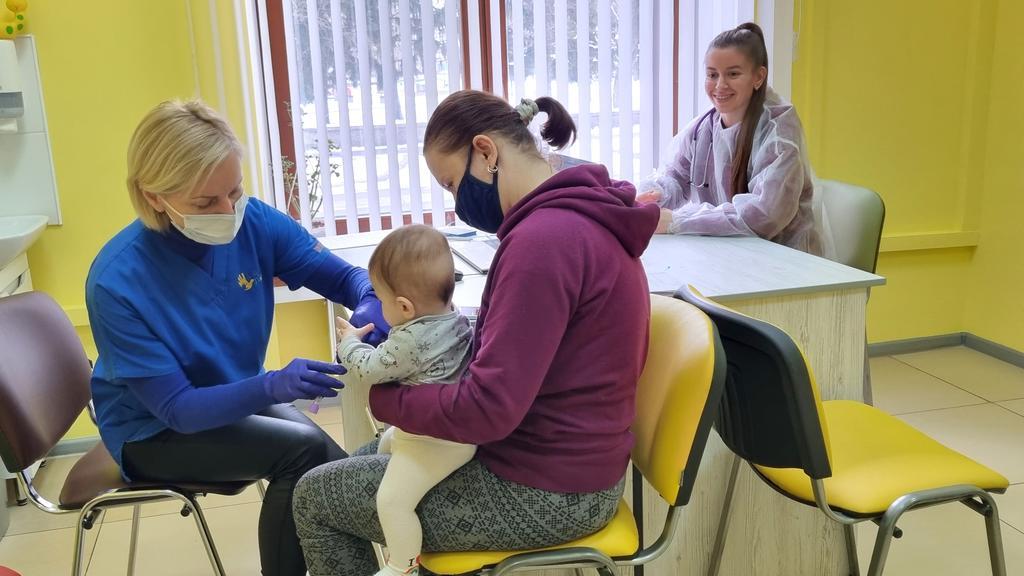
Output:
x,y
1011,506
170,545
948,540
899,388
336,432
48,482
44,553
1015,405
987,433
971,370
329,418
328,414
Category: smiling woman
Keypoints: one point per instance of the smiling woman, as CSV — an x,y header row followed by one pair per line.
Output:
x,y
740,169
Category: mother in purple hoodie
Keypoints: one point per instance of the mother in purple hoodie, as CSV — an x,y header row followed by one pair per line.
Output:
x,y
560,342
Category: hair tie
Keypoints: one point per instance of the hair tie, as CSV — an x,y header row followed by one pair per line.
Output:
x,y
527,109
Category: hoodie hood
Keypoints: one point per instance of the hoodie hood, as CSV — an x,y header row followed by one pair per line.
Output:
x,y
588,190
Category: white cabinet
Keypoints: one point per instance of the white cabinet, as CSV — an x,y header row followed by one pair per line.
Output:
x,y
15,277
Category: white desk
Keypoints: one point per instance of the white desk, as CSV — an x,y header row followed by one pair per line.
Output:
x,y
821,304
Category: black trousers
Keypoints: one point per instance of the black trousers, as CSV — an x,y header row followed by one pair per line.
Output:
x,y
278,444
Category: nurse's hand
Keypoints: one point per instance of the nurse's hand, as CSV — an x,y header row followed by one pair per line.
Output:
x,y
664,221
369,312
302,378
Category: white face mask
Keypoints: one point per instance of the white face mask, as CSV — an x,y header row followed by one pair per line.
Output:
x,y
213,229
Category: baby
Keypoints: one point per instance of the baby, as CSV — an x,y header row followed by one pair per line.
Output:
x,y
413,274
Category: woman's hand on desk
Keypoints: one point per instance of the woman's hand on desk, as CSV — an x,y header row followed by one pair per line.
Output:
x,y
664,221
652,196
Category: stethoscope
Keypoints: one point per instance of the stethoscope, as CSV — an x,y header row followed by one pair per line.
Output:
x,y
711,147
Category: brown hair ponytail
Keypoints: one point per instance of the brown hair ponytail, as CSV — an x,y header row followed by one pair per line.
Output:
x,y
749,39
466,113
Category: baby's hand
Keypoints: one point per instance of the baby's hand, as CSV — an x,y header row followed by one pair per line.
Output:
x,y
343,329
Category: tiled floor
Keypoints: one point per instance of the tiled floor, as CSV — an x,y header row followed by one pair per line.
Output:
x,y
970,401
40,544
975,404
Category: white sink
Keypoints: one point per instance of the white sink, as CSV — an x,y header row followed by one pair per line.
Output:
x,y
17,233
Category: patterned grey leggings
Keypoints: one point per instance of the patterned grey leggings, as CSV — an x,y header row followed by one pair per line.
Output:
x,y
336,513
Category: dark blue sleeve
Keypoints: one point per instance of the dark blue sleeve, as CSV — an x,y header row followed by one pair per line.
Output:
x,y
339,281
301,260
185,408
296,252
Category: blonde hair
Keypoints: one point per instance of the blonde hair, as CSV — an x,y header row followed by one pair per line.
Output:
x,y
173,150
415,262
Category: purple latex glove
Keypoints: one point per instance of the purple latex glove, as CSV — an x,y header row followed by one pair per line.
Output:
x,y
368,311
302,378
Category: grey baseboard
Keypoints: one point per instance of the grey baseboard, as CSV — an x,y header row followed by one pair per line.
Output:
x,y
76,446
994,349
915,344
983,345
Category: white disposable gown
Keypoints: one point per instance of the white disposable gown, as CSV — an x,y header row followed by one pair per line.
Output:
x,y
779,204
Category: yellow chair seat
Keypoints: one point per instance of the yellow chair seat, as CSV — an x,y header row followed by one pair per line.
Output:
x,y
618,538
876,458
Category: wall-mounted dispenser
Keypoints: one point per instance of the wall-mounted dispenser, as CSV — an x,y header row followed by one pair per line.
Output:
x,y
28,183
12,101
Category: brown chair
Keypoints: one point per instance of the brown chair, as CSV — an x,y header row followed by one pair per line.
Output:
x,y
44,386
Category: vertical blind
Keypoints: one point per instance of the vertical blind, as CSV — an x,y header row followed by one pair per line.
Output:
x,y
364,75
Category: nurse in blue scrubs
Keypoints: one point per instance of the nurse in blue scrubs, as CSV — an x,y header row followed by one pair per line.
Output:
x,y
181,304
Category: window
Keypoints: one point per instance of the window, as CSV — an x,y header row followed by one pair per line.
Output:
x,y
350,85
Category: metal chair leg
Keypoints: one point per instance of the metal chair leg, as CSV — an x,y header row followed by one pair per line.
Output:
x,y
204,532
19,495
134,541
987,508
78,560
886,529
851,548
580,572
723,522
600,561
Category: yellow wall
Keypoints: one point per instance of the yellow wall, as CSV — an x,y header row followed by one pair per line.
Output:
x,y
895,98
995,309
101,70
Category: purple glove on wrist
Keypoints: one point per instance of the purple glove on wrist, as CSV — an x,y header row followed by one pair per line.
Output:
x,y
369,310
302,378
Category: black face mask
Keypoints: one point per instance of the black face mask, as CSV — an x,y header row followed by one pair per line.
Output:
x,y
477,202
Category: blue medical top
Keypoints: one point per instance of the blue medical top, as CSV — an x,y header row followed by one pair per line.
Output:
x,y
159,303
